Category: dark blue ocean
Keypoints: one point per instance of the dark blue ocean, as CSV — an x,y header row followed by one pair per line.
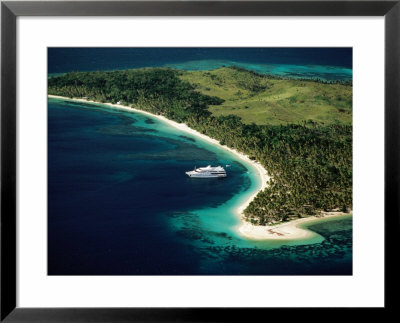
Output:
x,y
322,63
119,203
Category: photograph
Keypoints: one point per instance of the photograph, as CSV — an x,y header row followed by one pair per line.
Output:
x,y
200,161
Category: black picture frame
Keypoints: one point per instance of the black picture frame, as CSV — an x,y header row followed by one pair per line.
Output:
x,y
10,10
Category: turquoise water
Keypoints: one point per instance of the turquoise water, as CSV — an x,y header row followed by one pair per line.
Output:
x,y
120,203
322,72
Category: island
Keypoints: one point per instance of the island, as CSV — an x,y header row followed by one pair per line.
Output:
x,y
297,133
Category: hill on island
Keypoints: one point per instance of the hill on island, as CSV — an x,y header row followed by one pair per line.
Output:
x,y
263,99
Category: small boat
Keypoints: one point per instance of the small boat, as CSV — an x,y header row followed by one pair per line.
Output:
x,y
207,172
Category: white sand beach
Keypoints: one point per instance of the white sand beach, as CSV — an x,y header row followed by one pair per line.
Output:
x,y
285,231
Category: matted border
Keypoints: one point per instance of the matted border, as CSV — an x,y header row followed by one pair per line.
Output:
x,y
10,10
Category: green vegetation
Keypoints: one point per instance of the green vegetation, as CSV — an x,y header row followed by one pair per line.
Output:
x,y
158,91
265,100
307,150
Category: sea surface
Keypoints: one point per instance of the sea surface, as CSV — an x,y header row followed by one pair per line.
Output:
x,y
329,64
119,203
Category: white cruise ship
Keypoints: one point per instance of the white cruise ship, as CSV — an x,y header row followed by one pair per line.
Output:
x,y
207,172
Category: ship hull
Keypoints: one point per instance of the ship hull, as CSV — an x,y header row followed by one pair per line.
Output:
x,y
206,176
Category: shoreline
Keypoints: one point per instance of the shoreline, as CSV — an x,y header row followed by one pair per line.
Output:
x,y
283,231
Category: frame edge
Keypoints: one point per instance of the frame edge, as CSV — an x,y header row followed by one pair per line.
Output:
x,y
392,146
203,8
8,161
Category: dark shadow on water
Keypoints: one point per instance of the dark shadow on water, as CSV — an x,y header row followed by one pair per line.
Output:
x,y
188,138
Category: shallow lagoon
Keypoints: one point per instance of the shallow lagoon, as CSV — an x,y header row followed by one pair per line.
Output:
x,y
120,203
322,72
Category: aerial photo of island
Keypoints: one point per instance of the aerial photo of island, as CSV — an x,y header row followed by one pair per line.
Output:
x,y
200,161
